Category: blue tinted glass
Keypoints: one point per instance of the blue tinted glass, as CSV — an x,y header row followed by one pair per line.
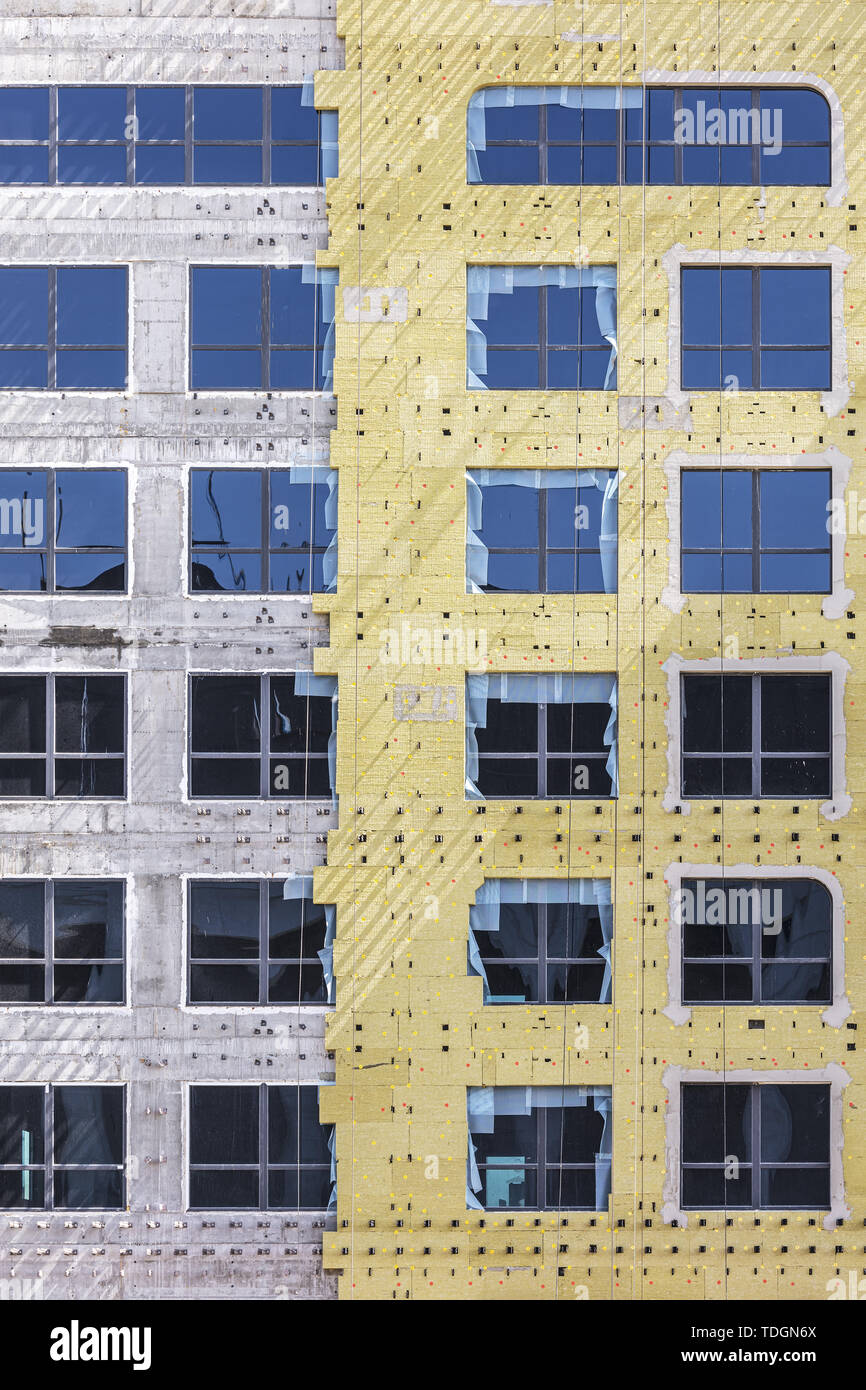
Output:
x,y
239,573
700,164
509,516
795,574
736,370
569,574
701,103
296,369
563,370
634,162
80,370
295,164
737,574
513,573
293,308
91,507
226,507
97,572
634,122
23,369
160,112
736,166
594,368
22,573
23,164
159,164
563,123
795,371
794,508
512,318
740,121
512,122
797,115
599,164
509,164
226,305
702,371
736,508
563,165
23,305
661,115
91,164
91,113
231,371
291,574
91,306
797,165
701,574
701,504
573,518
23,113
795,305
590,331
227,113
599,122
701,306
661,167
227,164
290,120
23,522
297,513
563,310
512,370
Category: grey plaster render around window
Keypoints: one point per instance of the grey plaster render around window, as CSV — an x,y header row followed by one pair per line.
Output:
x,y
834,604
829,662
838,260
674,1078
678,1012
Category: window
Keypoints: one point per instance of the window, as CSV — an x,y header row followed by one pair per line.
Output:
x,y
62,736
63,530
263,530
753,736
756,531
542,941
541,328
258,1146
537,736
258,942
62,1147
758,1147
756,941
542,532
657,135
262,328
234,751
751,328
61,941
541,1147
165,135
63,328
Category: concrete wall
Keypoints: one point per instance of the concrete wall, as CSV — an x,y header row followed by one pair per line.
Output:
x,y
156,635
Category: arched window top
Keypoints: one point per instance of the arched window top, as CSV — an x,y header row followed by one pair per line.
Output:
x,y
676,135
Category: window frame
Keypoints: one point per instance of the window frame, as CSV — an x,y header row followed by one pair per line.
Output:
x,y
189,143
48,1167
49,960
543,348
540,755
758,551
542,1167
263,961
50,756
265,552
756,1164
542,960
263,1167
756,347
264,755
51,551
755,752
51,349
543,550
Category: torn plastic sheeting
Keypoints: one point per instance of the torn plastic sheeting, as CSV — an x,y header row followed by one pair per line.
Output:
x,y
575,98
301,886
327,281
484,913
562,688
484,1103
484,280
307,683
317,475
607,483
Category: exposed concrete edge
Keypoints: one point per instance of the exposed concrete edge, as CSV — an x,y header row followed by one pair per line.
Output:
x,y
674,1077
678,1012
698,76
674,259
675,666
835,603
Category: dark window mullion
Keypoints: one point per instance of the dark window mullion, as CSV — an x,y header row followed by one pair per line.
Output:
x,y
542,749
132,128
52,328
541,1157
756,736
264,939
48,1146
756,328
757,944
541,945
265,490
265,736
48,920
756,144
266,328
542,143
756,531
52,134
756,1147
49,736
187,134
678,148
266,134
51,523
542,540
542,337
